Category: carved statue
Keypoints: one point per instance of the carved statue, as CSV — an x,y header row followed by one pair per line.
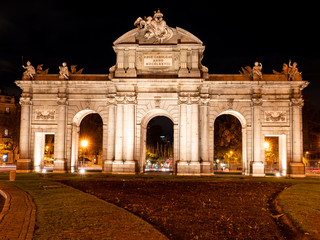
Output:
x,y
293,72
30,71
154,27
41,71
64,72
74,69
256,71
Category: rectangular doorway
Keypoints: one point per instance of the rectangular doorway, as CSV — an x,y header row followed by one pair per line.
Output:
x,y
271,154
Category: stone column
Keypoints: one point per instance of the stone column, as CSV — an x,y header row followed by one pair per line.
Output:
x,y
204,137
125,133
130,129
189,136
119,133
60,140
296,166
75,146
257,165
183,134
194,137
110,140
24,161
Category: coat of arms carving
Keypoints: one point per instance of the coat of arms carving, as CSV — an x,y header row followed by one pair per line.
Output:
x,y
275,116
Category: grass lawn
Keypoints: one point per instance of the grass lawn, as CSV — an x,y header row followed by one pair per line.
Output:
x,y
66,213
301,202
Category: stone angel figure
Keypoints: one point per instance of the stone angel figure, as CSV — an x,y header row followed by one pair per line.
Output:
x,y
64,72
256,71
30,71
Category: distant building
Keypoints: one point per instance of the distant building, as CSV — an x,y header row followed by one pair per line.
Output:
x,y
8,107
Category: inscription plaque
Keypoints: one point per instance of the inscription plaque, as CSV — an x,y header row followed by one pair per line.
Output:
x,y
157,60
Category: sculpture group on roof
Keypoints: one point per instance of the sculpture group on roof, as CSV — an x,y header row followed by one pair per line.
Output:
x,y
64,73
255,73
154,27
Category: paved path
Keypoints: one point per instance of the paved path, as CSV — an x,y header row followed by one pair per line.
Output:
x,y
17,218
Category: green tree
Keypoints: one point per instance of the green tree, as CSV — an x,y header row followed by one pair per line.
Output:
x,y
228,138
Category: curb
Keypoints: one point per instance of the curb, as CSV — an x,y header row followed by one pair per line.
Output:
x,y
17,219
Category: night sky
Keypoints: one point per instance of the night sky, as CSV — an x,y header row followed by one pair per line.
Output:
x,y
235,35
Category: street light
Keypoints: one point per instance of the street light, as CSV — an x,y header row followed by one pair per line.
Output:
x,y
84,143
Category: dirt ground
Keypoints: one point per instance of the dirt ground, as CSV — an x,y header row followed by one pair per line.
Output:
x,y
196,210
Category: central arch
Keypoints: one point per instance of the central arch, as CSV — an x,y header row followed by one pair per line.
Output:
x,y
243,122
143,135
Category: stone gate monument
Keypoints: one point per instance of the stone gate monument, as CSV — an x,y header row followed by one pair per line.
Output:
x,y
158,72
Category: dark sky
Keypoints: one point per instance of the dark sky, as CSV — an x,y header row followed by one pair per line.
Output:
x,y
235,34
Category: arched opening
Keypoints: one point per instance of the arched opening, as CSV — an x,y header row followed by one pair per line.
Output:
x,y
159,142
90,143
228,145
87,125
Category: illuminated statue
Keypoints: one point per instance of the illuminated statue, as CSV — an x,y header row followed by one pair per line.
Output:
x,y
64,72
293,72
155,27
256,71
30,71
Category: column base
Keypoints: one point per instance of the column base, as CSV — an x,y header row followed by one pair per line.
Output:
x,y
297,170
205,168
24,165
59,166
127,167
185,168
107,166
257,169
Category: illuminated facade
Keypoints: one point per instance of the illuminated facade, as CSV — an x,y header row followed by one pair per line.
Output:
x,y
158,72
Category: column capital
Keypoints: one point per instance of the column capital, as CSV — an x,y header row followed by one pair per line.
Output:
x,y
256,101
204,101
297,102
189,98
62,101
25,101
126,98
